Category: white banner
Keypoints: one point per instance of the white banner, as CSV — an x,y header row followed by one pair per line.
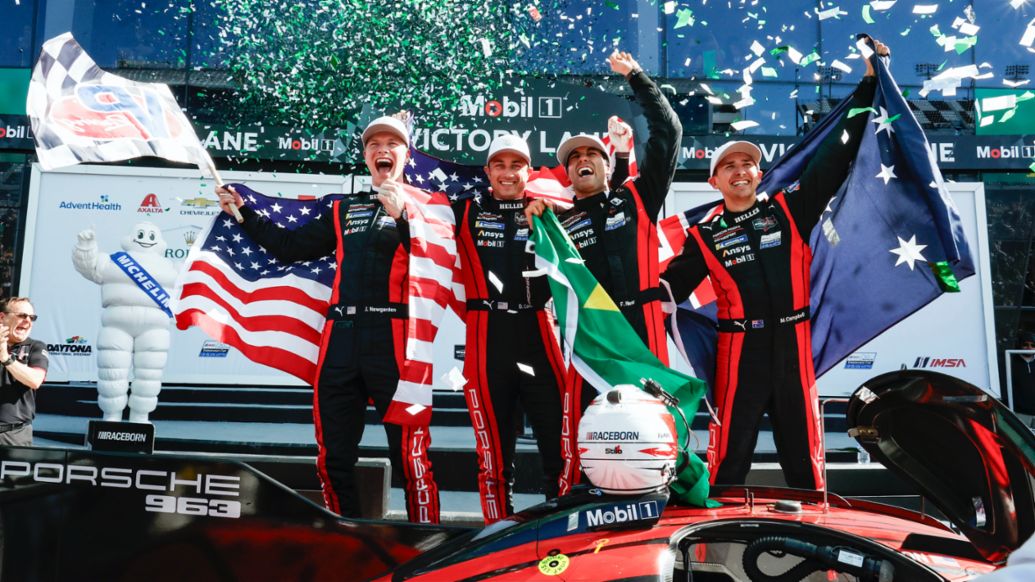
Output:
x,y
111,200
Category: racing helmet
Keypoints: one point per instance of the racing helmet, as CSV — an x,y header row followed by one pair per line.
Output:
x,y
627,442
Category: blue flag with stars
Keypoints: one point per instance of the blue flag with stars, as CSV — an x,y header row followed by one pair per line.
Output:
x,y
889,242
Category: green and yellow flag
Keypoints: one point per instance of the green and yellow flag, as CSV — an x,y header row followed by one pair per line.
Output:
x,y
606,350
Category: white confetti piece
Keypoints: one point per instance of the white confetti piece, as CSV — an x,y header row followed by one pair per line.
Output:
x,y
844,136
1029,35
415,409
713,100
1015,4
841,66
526,369
454,379
495,281
965,28
1010,83
990,104
574,260
757,48
742,125
486,47
747,101
925,9
670,7
794,54
834,12
880,5
987,120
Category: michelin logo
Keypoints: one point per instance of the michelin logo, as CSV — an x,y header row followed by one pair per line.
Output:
x,y
622,513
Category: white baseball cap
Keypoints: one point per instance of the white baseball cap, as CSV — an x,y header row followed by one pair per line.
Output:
x,y
509,142
734,147
576,141
389,124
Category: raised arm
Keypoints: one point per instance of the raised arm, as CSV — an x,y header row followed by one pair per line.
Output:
x,y
662,149
825,173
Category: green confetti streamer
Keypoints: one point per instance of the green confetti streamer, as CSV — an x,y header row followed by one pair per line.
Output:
x,y
859,110
684,17
965,43
809,59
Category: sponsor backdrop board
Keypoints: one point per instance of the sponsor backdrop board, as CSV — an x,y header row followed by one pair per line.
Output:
x,y
954,334
111,200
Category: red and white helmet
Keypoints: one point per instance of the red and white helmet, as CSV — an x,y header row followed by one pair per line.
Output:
x,y
627,442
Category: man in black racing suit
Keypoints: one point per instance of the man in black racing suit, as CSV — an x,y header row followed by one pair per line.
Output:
x,y
363,343
756,253
616,231
511,353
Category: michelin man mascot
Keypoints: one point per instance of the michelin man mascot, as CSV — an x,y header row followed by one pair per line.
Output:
x,y
136,287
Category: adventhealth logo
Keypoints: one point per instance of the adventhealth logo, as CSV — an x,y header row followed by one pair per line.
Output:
x,y
103,204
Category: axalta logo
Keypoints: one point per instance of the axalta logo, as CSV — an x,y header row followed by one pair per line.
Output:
x,y
310,144
929,362
150,205
622,513
76,345
104,203
16,132
523,106
1006,152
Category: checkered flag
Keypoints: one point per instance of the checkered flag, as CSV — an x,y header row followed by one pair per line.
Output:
x,y
80,113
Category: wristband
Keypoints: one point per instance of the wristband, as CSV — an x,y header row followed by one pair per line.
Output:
x,y
10,360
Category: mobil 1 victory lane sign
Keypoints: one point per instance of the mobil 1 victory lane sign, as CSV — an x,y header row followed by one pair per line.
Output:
x,y
542,112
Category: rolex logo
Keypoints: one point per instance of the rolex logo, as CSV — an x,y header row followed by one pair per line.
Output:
x,y
189,237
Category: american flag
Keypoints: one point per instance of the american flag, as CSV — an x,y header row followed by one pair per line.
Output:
x,y
274,312
892,215
239,294
79,113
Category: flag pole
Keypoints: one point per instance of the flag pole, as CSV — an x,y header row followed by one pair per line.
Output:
x,y
219,183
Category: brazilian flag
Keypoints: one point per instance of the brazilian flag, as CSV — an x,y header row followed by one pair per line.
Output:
x,y
606,350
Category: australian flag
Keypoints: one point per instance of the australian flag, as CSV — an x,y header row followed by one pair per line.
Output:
x,y
889,243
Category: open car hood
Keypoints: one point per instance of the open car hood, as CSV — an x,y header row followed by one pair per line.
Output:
x,y
964,450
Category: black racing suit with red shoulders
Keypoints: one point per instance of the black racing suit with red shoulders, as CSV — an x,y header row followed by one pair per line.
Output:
x,y
362,347
759,262
512,355
616,234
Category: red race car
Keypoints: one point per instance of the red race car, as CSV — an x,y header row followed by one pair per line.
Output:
x,y
89,515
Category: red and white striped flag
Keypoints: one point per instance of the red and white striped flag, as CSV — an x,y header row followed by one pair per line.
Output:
x,y
274,312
